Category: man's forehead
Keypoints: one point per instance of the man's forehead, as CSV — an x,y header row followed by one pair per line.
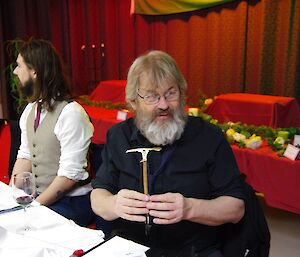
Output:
x,y
19,58
150,84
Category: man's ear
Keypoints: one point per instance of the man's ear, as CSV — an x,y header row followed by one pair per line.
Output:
x,y
133,104
33,74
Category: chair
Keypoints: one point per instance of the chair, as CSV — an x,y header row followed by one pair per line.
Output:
x,y
251,236
95,157
95,162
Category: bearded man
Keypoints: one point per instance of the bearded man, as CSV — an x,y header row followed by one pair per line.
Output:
x,y
55,133
193,182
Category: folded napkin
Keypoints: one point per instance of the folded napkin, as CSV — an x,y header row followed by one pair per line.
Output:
x,y
7,201
69,235
12,244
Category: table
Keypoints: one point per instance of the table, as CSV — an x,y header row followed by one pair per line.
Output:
x,y
53,235
109,90
278,178
255,109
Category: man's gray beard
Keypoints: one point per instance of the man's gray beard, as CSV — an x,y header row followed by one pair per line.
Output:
x,y
159,133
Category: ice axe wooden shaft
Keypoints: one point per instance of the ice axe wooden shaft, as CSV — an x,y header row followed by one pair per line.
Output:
x,y
144,152
145,178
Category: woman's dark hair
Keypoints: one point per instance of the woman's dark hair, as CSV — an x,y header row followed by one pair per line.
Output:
x,y
51,83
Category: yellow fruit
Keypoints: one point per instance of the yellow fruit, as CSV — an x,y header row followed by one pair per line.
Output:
x,y
230,132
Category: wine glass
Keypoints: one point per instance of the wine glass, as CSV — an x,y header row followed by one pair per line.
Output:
x,y
23,189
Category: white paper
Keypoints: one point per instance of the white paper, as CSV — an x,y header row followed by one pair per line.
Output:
x,y
296,140
121,115
119,247
7,200
291,152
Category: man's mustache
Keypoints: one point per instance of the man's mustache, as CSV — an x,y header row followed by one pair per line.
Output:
x,y
168,111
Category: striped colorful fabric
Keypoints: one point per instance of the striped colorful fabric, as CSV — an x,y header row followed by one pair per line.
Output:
x,y
160,7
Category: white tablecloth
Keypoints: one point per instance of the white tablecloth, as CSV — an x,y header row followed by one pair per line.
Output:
x,y
52,234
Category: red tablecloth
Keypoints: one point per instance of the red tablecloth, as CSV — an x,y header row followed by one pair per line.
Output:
x,y
278,178
273,111
109,90
102,119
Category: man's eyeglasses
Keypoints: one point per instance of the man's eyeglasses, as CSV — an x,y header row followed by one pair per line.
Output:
x,y
170,95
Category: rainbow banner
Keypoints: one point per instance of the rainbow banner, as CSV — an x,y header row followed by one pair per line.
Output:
x,y
161,7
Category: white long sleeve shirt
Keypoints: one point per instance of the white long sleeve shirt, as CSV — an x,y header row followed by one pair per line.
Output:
x,y
74,131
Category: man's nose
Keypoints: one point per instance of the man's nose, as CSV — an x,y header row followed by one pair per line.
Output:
x,y
163,104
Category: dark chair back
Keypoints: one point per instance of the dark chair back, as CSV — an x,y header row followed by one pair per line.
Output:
x,y
251,236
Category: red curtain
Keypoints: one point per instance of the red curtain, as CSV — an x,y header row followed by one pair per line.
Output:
x,y
208,45
24,19
247,46
244,46
273,48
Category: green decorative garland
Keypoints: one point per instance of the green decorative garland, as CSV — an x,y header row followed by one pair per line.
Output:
x,y
268,133
103,104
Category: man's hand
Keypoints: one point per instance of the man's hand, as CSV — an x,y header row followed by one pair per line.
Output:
x,y
171,208
131,205
167,208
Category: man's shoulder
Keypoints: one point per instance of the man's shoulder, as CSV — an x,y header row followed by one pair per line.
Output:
x,y
198,129
198,124
121,132
27,109
74,112
72,106
125,125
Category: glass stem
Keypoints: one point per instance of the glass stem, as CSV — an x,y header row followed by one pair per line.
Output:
x,y
26,226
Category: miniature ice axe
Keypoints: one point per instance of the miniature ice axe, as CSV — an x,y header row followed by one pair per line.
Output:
x,y
144,152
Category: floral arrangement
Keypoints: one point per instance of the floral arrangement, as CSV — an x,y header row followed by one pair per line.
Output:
x,y
251,136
